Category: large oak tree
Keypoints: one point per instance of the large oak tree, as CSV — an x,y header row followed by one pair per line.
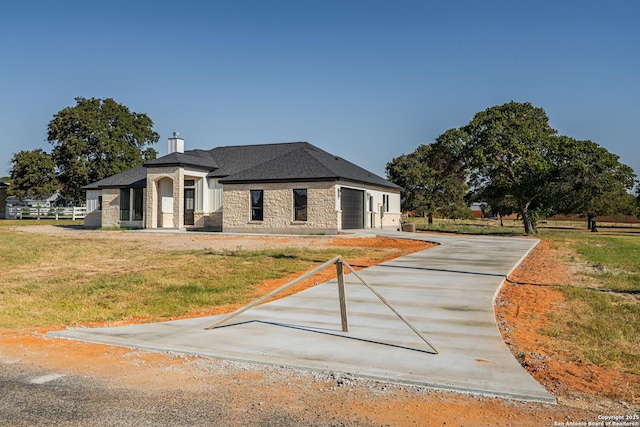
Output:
x,y
98,138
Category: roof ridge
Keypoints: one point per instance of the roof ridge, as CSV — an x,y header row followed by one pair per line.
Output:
x,y
261,145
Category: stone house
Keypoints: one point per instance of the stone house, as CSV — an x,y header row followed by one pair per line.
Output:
x,y
293,188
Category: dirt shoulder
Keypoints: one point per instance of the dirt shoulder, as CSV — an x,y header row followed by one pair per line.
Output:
x,y
252,394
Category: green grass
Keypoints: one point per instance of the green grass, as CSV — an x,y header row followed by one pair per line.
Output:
x,y
601,323
599,328
482,227
59,280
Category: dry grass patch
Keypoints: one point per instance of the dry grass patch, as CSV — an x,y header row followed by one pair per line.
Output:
x,y
64,280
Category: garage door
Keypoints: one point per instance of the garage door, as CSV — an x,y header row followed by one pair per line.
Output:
x,y
352,205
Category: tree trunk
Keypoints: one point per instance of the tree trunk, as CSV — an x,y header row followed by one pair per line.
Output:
x,y
430,216
526,220
594,227
501,222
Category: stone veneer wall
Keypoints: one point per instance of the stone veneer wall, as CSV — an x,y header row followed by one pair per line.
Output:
x,y
93,219
208,220
278,208
151,202
110,207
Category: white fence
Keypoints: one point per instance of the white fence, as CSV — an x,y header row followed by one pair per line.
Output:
x,y
26,212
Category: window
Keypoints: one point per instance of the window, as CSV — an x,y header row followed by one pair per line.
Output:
x,y
125,205
385,201
99,203
257,201
137,204
300,204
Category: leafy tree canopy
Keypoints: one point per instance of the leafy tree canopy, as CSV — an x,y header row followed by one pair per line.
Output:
x,y
432,176
33,175
98,138
512,159
592,181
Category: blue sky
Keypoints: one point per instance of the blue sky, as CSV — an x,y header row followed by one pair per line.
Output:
x,y
365,80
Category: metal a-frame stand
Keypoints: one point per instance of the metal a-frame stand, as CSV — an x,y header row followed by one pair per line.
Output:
x,y
340,263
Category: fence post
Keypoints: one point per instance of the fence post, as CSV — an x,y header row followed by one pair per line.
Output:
x,y
343,296
73,215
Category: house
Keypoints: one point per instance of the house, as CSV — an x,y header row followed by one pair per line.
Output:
x,y
292,188
4,186
49,201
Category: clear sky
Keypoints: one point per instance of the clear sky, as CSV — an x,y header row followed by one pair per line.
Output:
x,y
366,80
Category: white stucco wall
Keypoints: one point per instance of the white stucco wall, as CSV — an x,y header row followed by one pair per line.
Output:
x,y
375,217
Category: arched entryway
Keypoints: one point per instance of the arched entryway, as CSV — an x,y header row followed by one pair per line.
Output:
x,y
165,203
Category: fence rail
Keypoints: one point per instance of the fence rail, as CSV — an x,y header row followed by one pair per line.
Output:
x,y
26,212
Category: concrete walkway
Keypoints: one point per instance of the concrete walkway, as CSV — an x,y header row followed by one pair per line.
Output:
x,y
447,292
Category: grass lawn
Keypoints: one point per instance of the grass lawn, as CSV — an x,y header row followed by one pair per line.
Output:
x,y
59,280
601,321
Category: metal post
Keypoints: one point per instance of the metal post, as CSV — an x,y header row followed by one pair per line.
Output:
x,y
343,296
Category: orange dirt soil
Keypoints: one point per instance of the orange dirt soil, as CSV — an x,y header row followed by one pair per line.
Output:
x,y
584,391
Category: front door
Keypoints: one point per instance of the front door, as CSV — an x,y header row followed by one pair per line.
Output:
x,y
189,205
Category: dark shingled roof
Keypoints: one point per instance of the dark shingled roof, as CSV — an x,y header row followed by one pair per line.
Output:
x,y
197,158
306,162
133,178
283,162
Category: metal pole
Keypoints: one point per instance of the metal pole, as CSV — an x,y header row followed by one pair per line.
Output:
x,y
273,293
388,304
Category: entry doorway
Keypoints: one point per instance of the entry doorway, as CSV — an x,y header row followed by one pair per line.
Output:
x,y
189,206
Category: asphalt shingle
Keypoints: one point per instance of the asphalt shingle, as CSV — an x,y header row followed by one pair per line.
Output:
x,y
290,161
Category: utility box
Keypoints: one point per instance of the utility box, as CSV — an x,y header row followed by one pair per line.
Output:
x,y
409,227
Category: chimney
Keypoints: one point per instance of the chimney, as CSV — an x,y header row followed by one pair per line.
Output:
x,y
176,144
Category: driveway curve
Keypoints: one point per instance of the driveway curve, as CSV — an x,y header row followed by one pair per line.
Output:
x,y
447,292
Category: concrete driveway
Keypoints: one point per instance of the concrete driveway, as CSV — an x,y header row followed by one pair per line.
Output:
x,y
447,292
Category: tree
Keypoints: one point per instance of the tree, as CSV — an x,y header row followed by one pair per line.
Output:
x,y
592,181
638,198
432,176
510,158
98,138
508,152
33,175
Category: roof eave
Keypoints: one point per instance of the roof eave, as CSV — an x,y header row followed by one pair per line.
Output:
x,y
177,164
276,180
